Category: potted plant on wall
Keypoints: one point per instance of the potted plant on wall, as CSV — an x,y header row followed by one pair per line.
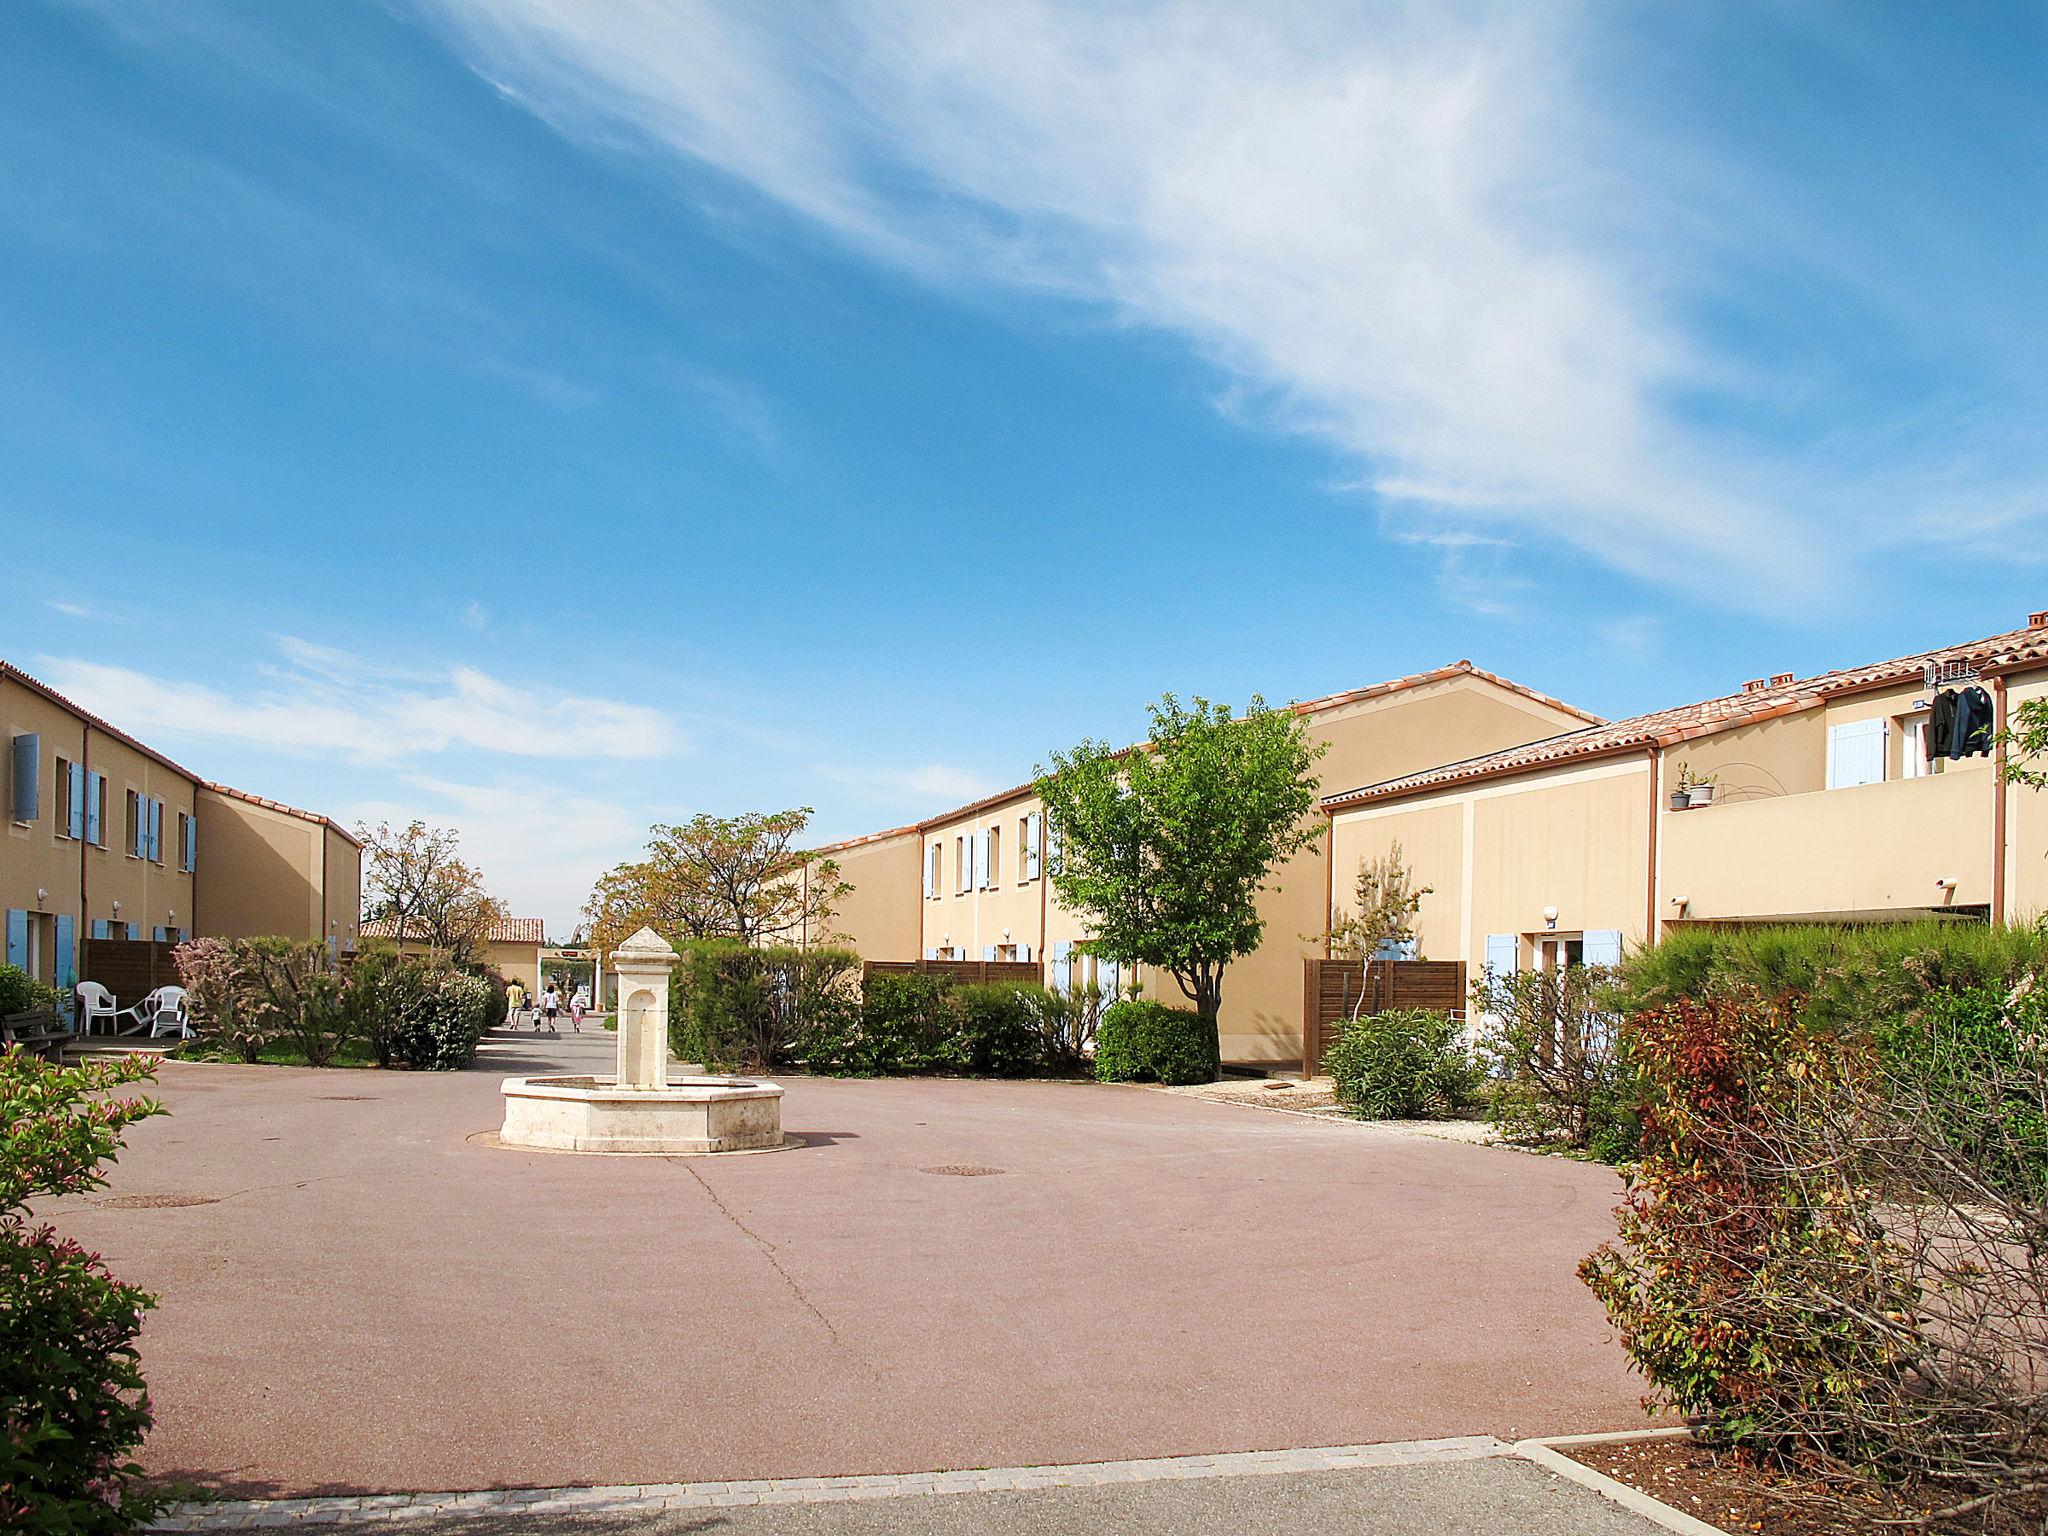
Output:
x,y
1700,790
1681,797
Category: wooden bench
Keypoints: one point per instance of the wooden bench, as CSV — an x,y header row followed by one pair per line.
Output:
x,y
39,1031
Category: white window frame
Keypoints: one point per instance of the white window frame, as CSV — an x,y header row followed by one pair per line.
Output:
x,y
1844,762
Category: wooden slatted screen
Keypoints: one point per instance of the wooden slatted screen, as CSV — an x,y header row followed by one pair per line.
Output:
x,y
961,970
1335,990
129,968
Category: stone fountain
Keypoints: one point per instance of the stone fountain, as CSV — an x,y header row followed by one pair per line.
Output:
x,y
642,1109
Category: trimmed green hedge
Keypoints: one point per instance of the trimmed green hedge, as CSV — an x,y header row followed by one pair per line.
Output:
x,y
1401,1065
1150,1042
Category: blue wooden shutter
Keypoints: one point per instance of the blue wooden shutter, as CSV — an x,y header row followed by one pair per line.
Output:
x,y
95,807
161,934
27,764
1063,966
931,863
17,936
76,814
988,951
102,929
1032,827
1503,954
1023,951
67,959
931,954
1602,946
988,858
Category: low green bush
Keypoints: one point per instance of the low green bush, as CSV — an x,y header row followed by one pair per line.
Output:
x,y
998,1028
73,1405
1401,1065
908,1023
441,1021
22,993
1557,1060
734,1007
1149,1042
1847,978
1966,1054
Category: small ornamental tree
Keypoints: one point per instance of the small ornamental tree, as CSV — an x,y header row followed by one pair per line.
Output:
x,y
73,1406
722,877
1384,905
1163,850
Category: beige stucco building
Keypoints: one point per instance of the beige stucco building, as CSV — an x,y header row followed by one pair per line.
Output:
x,y
105,837
274,869
1830,801
99,838
970,883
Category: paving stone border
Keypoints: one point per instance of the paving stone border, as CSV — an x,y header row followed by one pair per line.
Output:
x,y
252,1514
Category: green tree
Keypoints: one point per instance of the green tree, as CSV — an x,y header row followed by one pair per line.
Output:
x,y
2025,740
1164,849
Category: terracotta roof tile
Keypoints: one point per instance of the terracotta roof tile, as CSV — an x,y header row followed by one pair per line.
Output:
x,y
1306,707
281,807
507,930
1687,722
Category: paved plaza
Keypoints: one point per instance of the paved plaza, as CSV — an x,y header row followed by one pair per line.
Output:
x,y
361,1295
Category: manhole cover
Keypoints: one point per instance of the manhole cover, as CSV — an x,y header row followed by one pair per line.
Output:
x,y
152,1202
350,1098
962,1170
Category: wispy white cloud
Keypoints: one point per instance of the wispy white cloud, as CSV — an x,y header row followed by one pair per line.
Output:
x,y
476,616
540,845
1386,223
925,782
329,701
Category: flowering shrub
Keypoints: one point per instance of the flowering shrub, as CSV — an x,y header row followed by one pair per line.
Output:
x,y
73,1405
212,977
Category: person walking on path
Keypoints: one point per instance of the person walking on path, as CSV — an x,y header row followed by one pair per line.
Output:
x,y
551,1008
576,1012
515,1000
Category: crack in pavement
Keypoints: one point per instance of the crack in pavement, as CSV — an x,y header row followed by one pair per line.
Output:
x,y
774,1260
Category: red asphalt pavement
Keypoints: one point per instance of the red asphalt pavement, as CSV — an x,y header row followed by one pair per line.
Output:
x,y
376,1301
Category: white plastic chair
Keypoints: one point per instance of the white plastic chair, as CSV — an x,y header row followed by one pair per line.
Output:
x,y
162,1012
167,1013
94,1002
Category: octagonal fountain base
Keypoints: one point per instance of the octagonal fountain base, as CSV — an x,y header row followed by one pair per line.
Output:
x,y
686,1115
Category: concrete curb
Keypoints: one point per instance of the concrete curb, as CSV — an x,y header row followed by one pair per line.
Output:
x,y
1545,1455
642,1498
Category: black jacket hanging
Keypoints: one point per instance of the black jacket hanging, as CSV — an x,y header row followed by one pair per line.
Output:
x,y
1973,724
1941,729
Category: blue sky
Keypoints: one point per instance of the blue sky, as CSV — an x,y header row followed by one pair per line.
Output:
x,y
548,418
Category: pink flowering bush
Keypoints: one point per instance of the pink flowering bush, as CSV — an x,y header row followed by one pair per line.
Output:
x,y
73,1406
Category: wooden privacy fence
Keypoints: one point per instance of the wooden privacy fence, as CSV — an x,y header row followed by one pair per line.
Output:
x,y
958,970
129,968
1335,990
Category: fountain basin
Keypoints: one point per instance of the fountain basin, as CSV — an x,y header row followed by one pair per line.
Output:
x,y
685,1115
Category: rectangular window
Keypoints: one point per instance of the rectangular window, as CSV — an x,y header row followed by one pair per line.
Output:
x,y
134,824
931,871
1029,845
963,862
992,857
1856,753
68,805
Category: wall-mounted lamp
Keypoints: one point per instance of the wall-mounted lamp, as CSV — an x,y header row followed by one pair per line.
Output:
x,y
42,896
117,907
1550,917
1006,934
170,914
